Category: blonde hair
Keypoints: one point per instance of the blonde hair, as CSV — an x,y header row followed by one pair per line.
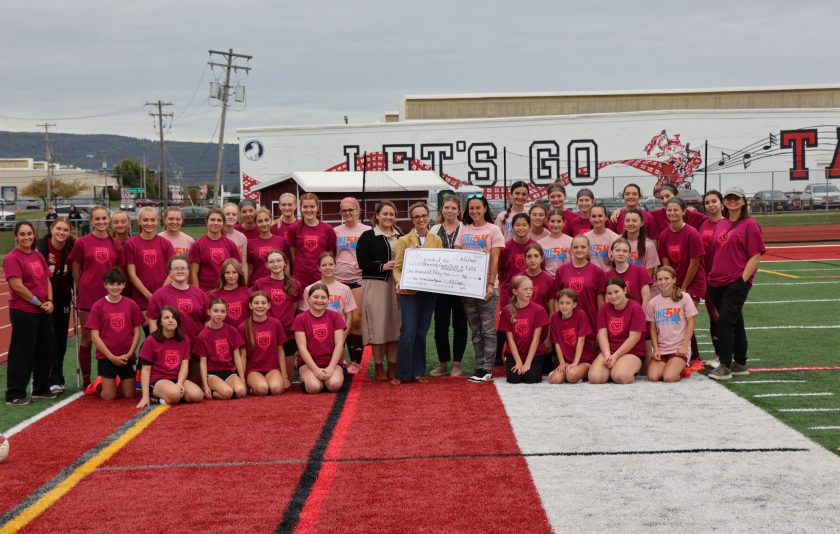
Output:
x,y
515,283
676,293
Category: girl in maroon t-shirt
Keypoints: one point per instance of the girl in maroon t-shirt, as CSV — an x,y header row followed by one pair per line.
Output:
x,y
307,240
285,294
209,251
572,336
525,325
265,362
259,247
220,348
557,197
621,328
146,256
93,255
319,334
586,279
580,224
165,361
512,257
636,277
248,213
232,289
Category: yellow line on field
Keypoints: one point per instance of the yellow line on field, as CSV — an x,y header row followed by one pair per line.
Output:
x,y
777,273
51,497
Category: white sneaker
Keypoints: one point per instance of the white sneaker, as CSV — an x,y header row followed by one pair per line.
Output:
x,y
481,375
57,389
713,364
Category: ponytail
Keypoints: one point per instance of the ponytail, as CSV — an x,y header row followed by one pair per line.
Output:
x,y
514,284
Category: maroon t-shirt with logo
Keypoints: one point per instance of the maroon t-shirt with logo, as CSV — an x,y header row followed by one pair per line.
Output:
x,y
191,304
511,263
262,353
319,331
619,324
96,256
282,304
115,322
149,257
587,281
309,243
165,357
565,332
543,289
635,277
209,254
217,345
258,249
33,271
237,301
680,248
528,319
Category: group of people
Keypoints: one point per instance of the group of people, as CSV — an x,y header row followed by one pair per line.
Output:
x,y
235,312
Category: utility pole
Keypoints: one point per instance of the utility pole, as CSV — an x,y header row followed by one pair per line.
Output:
x,y
164,186
48,153
229,57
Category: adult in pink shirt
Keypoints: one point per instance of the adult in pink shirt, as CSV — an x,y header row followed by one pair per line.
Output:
x,y
621,328
288,216
642,249
556,245
30,306
146,257
671,316
259,248
518,198
557,198
173,219
308,239
348,272
713,202
209,252
584,278
248,225
739,248
600,238
93,255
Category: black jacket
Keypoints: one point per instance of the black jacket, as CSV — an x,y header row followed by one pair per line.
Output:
x,y
372,251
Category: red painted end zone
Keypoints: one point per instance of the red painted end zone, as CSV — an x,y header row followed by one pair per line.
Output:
x,y
803,253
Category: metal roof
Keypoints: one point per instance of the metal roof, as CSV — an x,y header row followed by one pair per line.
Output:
x,y
336,181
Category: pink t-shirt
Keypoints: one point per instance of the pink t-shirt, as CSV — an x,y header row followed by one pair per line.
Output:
x,y
209,254
309,242
33,271
258,250
239,240
347,269
707,234
565,332
599,247
619,324
253,233
671,321
341,298
543,289
504,222
115,322
165,357
734,249
635,277
587,281
181,242
618,225
268,338
96,256
680,248
149,258
218,346
237,301
578,226
651,259
191,303
528,319
484,238
282,305
536,237
320,334
557,252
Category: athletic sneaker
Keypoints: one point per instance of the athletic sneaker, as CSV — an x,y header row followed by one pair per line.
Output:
x,y
697,365
58,388
713,363
20,401
91,388
738,369
721,373
45,395
481,376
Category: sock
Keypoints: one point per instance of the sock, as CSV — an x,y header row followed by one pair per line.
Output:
x,y
355,347
84,362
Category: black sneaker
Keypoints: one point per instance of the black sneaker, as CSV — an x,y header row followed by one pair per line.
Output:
x,y
20,401
481,375
738,369
721,373
45,394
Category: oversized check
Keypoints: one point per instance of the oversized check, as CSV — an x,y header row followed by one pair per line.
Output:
x,y
445,270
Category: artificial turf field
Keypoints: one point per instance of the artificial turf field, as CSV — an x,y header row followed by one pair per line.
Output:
x,y
459,457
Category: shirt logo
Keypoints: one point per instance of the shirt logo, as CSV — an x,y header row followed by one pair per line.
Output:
x,y
278,296
117,321
519,261
674,252
263,339
521,326
184,305
634,258
262,252
668,316
723,238
310,242
222,347
101,254
616,325
150,257
320,332
576,283
346,243
599,251
217,255
707,236
556,254
234,310
475,241
570,336
335,303
37,268
171,357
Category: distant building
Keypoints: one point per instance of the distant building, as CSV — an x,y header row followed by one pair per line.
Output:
x,y
20,172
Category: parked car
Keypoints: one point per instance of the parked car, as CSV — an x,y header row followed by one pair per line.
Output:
x,y
7,217
145,202
195,215
820,195
693,199
650,203
795,200
770,200
127,205
611,203
29,203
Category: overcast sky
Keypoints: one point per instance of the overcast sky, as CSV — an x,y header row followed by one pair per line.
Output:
x,y
313,62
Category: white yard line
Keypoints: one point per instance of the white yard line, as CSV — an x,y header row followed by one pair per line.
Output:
x,y
820,394
789,327
824,428
769,382
37,417
808,410
764,284
790,301
837,268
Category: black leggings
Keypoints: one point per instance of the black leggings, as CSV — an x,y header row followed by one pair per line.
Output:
x,y
447,306
61,323
732,337
30,354
532,376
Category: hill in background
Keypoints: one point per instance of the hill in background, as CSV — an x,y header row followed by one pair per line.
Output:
x,y
194,163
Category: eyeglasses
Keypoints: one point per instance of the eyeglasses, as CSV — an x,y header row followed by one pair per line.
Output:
x,y
420,217
348,210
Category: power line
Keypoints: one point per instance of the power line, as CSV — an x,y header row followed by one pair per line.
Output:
x,y
125,111
164,186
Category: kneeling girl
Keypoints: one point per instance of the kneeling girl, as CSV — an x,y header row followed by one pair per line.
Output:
x,y
671,315
265,359
525,326
220,347
621,328
319,334
571,333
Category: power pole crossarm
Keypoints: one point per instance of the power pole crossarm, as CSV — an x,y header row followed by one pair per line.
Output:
x,y
164,186
48,153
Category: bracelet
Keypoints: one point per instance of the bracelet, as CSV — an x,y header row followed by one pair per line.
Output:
x,y
34,300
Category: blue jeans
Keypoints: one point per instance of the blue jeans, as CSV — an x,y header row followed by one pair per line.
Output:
x,y
416,311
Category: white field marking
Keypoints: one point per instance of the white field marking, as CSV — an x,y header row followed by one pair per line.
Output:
x,y
837,268
824,428
788,327
37,417
820,394
763,284
798,261
790,301
770,382
797,247
804,410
